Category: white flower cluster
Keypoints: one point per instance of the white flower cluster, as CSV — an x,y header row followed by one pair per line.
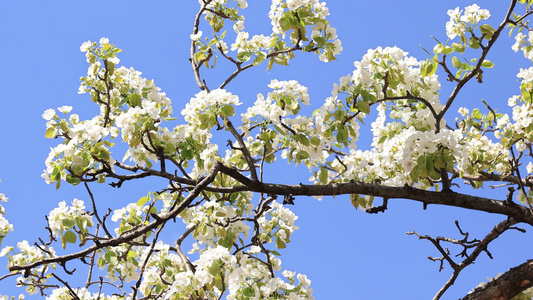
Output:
x,y
243,43
201,114
80,139
214,212
82,294
283,101
207,103
121,262
315,13
461,21
128,103
90,50
272,115
160,259
25,255
403,71
251,271
65,217
406,148
277,9
324,30
290,89
518,132
5,226
129,216
523,42
379,67
278,222
526,75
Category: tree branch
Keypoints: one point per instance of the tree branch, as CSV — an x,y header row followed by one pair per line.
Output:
x,y
506,286
131,235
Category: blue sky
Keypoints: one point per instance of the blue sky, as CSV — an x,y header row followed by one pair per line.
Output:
x,y
346,253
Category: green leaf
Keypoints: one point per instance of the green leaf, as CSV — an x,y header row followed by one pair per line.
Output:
x,y
455,62
301,155
243,56
323,175
354,199
465,67
135,100
248,292
264,136
434,175
218,282
110,67
68,237
110,257
214,269
142,201
487,30
458,47
368,97
72,179
309,47
302,139
280,244
338,115
50,133
284,23
415,174
259,58
438,48
447,50
320,40
227,111
68,223
363,106
342,134
487,64
429,67
270,64
474,43
82,223
429,165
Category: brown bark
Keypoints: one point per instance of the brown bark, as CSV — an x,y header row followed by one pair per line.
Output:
x,y
507,285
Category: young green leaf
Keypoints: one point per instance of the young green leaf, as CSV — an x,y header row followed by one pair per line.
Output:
x,y
487,64
363,106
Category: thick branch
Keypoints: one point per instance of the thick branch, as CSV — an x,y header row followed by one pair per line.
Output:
x,y
507,285
518,212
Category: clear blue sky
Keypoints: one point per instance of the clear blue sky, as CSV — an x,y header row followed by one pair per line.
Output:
x,y
346,253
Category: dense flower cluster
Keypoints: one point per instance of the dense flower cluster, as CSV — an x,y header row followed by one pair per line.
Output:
x,y
523,42
27,254
234,233
463,21
5,226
